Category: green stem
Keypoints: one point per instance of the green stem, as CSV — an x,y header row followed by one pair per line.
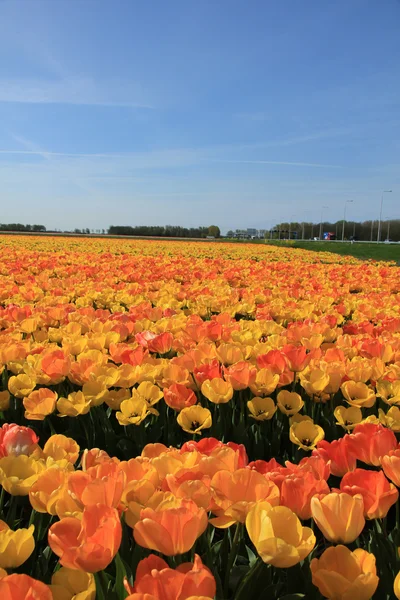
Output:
x,y
2,496
101,590
232,557
252,573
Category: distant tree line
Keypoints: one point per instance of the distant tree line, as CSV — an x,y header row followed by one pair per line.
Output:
x,y
165,231
364,231
20,227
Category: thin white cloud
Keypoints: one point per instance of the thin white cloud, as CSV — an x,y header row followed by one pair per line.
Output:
x,y
281,162
73,90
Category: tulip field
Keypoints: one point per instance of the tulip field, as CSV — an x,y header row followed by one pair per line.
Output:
x,y
185,421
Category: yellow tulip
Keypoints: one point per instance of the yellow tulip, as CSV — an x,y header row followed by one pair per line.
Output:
x,y
358,394
278,535
348,417
289,403
76,404
261,409
15,546
194,418
73,584
217,390
133,411
339,516
306,434
19,473
21,385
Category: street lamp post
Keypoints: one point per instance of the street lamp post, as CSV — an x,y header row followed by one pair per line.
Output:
x,y
320,223
388,231
378,237
344,216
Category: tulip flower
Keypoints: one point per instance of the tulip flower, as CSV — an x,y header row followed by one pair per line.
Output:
x,y
289,403
234,494
338,453
348,417
16,440
339,516
76,404
265,382
14,587
314,381
61,447
39,404
261,409
358,394
21,385
391,466
89,544
149,392
340,574
71,584
15,546
102,484
194,419
217,390
391,419
179,396
240,375
153,576
133,411
297,490
389,391
171,528
297,357
377,492
306,434
55,365
369,442
19,473
278,535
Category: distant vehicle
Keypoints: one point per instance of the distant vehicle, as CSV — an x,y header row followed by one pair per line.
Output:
x,y
329,235
389,241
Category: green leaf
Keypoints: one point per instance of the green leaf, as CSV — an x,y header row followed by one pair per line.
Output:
x,y
119,578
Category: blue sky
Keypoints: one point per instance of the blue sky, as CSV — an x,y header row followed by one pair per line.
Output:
x,y
231,112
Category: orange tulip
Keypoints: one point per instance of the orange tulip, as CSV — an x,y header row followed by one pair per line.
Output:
x,y
296,357
102,484
171,528
60,447
340,574
190,484
56,365
338,453
240,375
39,404
234,494
391,466
297,491
179,396
23,587
89,544
369,442
378,493
154,577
